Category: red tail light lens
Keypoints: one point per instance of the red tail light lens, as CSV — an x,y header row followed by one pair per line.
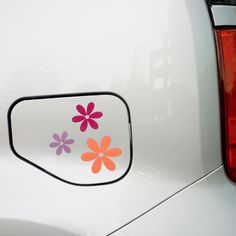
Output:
x,y
226,44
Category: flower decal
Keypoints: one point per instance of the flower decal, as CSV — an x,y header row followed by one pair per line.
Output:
x,y
61,143
101,154
87,116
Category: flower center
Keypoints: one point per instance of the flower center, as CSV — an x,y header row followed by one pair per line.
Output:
x,y
61,143
87,117
100,154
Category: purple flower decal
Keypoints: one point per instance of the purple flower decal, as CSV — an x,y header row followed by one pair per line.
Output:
x,y
87,116
61,143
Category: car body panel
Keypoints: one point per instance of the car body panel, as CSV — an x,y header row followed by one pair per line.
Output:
x,y
205,208
158,55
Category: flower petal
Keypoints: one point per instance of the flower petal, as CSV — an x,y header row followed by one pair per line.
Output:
x,y
110,165
93,123
89,156
113,152
59,150
54,144
64,136
69,141
96,167
90,108
105,143
92,144
57,137
84,125
66,148
81,109
78,118
96,115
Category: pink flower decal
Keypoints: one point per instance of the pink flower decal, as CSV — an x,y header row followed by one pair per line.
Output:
x,y
61,143
87,116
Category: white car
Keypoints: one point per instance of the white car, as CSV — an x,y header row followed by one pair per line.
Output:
x,y
117,117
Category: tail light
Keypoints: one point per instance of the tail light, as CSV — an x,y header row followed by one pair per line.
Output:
x,y
226,46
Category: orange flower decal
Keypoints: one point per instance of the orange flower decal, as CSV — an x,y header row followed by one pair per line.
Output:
x,y
101,154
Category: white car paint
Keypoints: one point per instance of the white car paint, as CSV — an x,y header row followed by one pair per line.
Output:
x,y
158,55
205,208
